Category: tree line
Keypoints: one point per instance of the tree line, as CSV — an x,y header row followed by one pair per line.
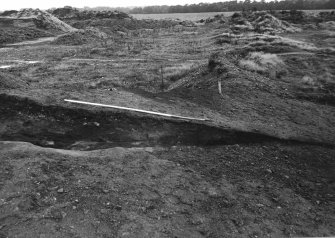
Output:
x,y
234,5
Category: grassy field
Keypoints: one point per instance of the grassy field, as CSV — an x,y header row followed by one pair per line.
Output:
x,y
181,16
193,16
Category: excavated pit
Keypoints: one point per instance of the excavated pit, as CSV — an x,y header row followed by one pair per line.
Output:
x,y
81,129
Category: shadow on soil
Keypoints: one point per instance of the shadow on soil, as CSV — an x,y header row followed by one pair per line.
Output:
x,y
68,128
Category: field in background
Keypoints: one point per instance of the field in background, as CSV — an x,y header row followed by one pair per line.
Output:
x,y
181,16
193,16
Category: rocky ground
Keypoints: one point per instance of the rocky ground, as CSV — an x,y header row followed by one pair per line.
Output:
x,y
262,164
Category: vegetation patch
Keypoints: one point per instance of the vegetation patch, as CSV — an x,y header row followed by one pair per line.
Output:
x,y
261,62
9,81
176,72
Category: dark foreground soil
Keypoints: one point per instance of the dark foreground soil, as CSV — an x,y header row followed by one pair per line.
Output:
x,y
17,34
263,190
168,178
65,128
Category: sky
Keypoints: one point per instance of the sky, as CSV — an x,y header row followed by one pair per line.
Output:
x,y
46,4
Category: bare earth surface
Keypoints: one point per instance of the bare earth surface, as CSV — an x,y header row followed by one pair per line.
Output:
x,y
226,191
262,165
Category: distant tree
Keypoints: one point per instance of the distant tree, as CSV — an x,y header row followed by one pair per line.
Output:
x,y
330,4
244,5
299,4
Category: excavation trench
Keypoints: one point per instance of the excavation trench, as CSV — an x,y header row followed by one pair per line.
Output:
x,y
74,128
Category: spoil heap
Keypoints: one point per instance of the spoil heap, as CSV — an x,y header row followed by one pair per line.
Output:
x,y
81,37
69,13
41,19
261,22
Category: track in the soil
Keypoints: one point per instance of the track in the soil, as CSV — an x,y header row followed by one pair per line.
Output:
x,y
68,128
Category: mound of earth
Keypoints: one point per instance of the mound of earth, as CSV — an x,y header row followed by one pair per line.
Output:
x,y
270,43
330,25
8,81
268,23
301,71
239,22
80,37
187,23
15,34
293,16
67,13
303,17
41,19
8,13
325,16
261,22
113,25
220,18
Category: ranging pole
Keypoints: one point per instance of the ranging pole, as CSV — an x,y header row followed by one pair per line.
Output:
x,y
137,110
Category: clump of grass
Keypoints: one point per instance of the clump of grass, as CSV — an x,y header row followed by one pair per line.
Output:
x,y
308,80
176,72
265,63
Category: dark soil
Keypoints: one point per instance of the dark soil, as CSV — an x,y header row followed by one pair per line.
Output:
x,y
17,34
260,190
57,127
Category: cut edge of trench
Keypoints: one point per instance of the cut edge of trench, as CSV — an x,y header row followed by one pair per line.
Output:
x,y
115,128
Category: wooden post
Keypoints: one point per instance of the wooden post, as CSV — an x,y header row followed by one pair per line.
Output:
x,y
219,86
162,78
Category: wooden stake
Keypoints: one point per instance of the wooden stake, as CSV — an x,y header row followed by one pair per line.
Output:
x,y
162,78
219,86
